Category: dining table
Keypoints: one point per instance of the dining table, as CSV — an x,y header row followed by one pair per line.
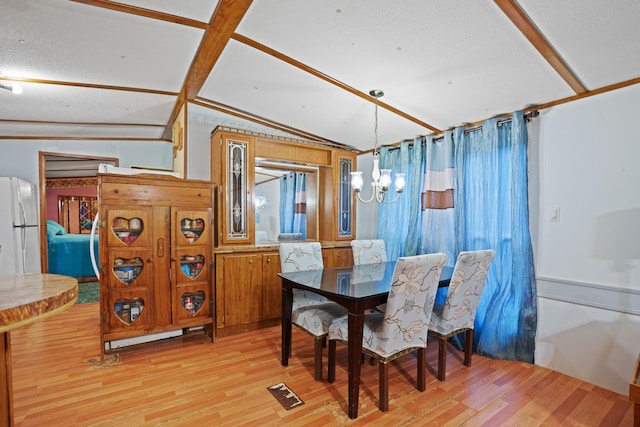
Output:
x,y
357,288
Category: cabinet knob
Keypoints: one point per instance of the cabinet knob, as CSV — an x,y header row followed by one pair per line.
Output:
x,y
149,260
268,260
173,259
116,191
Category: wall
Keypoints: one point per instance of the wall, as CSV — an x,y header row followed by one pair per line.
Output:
x,y
20,157
588,256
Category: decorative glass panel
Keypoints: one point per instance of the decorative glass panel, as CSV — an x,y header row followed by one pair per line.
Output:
x,y
191,265
128,310
237,189
127,270
191,229
344,220
192,301
127,229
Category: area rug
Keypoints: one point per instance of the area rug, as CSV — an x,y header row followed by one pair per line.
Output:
x,y
285,396
88,292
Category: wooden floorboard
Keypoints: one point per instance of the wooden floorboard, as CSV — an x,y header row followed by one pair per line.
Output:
x,y
188,381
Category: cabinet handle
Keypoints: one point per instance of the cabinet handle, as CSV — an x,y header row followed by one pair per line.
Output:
x,y
160,249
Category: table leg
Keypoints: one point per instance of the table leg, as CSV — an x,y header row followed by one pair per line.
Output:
x,y
356,323
287,302
6,392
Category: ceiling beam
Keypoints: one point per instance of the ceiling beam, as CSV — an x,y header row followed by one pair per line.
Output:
x,y
329,79
537,39
223,24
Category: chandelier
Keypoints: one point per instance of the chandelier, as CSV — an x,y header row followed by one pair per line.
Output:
x,y
380,179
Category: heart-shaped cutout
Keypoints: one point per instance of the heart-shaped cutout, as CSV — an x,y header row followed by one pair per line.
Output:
x,y
128,310
192,301
127,270
191,265
127,229
192,228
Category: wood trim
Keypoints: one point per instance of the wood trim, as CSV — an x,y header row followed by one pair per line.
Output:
x,y
147,13
537,39
90,85
328,79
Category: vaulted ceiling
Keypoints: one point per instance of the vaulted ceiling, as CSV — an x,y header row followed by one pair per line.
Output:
x,y
96,69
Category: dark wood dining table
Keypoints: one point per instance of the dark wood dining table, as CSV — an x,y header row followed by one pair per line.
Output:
x,y
357,288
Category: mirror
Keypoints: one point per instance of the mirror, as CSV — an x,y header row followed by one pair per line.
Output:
x,y
280,214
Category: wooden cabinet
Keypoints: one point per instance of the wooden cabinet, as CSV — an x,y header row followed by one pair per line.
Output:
x,y
337,257
329,205
248,291
155,255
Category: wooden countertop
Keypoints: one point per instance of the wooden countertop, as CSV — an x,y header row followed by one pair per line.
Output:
x,y
25,298
273,247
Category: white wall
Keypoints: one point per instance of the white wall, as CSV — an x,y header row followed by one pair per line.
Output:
x,y
366,213
588,262
20,157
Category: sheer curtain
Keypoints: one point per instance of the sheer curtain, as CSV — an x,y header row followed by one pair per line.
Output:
x,y
492,212
293,203
398,223
437,207
486,171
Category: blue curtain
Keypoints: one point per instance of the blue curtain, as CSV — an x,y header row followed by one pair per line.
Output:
x,y
399,223
489,170
492,212
293,203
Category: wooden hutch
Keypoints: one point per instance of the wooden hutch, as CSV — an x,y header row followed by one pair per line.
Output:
x,y
156,235
248,290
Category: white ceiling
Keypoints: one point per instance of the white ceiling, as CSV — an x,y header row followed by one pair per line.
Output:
x,y
304,66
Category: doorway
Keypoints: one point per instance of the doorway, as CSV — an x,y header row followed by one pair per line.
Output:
x,y
56,166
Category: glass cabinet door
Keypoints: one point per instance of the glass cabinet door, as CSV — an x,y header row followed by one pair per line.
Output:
x,y
237,178
345,214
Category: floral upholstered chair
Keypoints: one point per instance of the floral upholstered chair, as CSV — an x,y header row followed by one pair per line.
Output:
x,y
458,312
310,312
403,327
368,251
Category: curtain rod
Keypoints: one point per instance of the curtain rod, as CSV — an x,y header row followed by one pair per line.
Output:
x,y
528,116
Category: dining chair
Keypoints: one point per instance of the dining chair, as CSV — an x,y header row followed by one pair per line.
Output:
x,y
458,312
368,251
403,327
310,311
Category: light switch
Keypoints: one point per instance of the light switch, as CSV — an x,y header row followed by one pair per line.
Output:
x,y
555,215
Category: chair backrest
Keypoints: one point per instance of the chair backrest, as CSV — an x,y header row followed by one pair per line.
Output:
x,y
410,303
368,251
465,289
300,256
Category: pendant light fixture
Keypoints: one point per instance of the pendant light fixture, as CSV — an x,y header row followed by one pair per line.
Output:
x,y
380,179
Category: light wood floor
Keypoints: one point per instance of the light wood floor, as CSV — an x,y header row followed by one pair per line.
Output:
x,y
188,381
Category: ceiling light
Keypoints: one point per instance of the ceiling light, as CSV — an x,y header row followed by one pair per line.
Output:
x,y
381,179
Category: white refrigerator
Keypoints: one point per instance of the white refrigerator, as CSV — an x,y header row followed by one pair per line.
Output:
x,y
19,231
